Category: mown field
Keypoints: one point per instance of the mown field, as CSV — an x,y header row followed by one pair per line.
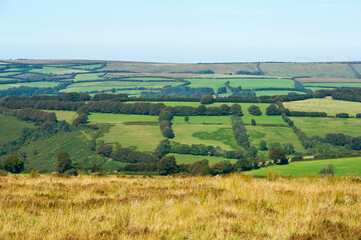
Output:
x,y
231,207
343,167
331,107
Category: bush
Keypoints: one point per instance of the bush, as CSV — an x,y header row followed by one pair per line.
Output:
x,y
34,174
253,122
273,110
358,115
105,150
272,175
13,164
328,170
263,146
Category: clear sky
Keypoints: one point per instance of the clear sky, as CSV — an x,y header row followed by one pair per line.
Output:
x,y
181,31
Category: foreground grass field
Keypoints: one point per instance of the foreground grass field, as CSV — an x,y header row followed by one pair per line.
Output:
x,y
343,167
232,207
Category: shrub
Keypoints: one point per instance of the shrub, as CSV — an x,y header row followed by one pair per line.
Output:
x,y
105,150
358,115
253,122
71,172
263,146
328,170
13,164
34,174
273,110
272,175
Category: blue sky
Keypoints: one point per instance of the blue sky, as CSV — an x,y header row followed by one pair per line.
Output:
x,y
181,31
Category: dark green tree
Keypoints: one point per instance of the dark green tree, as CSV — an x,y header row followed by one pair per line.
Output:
x,y
167,165
236,109
272,110
63,162
186,119
207,99
263,146
81,119
253,122
199,168
13,164
254,110
278,155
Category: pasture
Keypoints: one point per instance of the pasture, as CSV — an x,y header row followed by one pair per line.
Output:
x,y
315,70
141,137
107,85
29,84
357,67
67,116
261,83
273,134
328,105
343,167
88,77
11,127
321,126
214,135
55,70
120,118
232,207
334,84
275,92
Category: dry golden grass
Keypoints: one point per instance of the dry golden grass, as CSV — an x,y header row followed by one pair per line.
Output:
x,y
232,207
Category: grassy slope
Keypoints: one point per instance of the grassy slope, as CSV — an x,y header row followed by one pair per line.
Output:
x,y
325,105
76,143
30,84
10,128
273,134
337,85
262,83
322,126
343,166
232,207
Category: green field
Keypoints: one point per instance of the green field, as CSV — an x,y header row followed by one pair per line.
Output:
x,y
333,84
316,70
273,134
120,118
88,77
187,159
343,166
5,74
262,83
276,92
317,88
6,79
148,79
264,119
107,85
11,127
331,107
67,116
214,135
143,137
29,84
322,126
54,70
207,82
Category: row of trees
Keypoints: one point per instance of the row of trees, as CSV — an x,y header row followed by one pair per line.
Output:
x,y
240,132
165,123
126,155
29,114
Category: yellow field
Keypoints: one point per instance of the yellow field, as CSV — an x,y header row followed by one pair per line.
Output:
x,y
233,207
331,107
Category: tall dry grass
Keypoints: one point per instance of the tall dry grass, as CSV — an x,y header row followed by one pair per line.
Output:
x,y
232,207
